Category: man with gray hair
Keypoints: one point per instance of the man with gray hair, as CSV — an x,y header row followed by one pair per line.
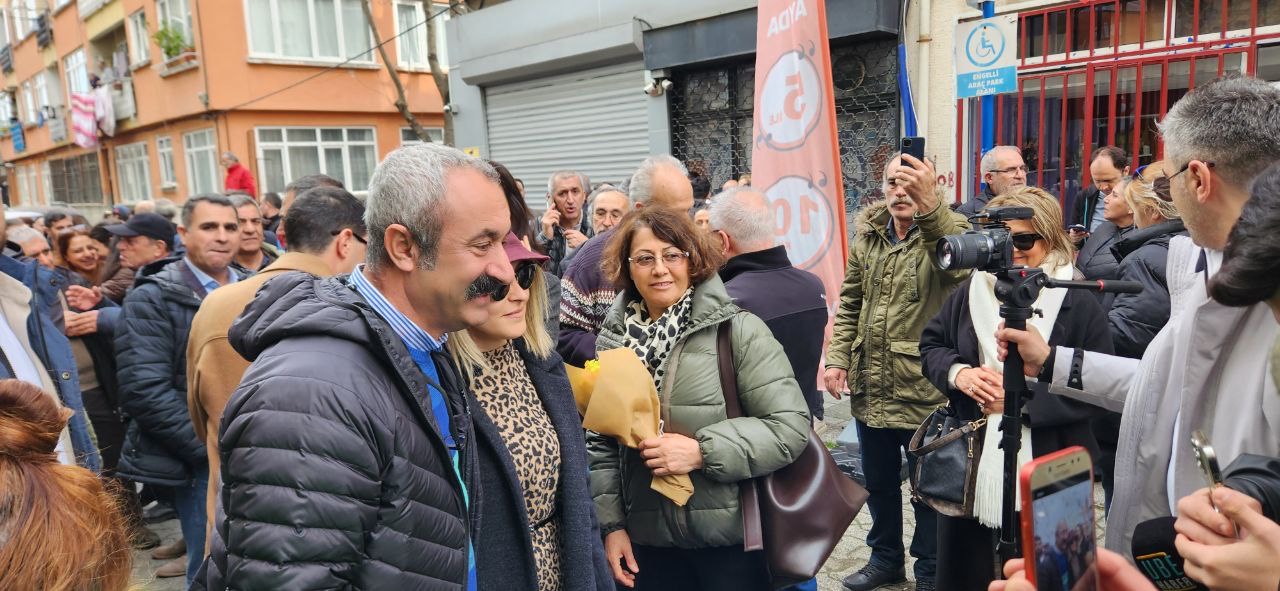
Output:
x,y
345,447
563,228
1002,170
1207,369
238,177
759,277
254,254
660,181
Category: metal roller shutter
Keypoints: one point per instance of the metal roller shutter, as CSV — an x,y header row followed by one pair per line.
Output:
x,y
595,121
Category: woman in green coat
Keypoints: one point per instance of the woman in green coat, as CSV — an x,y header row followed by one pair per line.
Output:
x,y
668,308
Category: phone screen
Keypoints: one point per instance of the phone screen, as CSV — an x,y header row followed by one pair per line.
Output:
x,y
1064,537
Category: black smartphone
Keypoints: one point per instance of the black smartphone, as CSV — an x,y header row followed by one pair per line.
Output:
x,y
913,146
1078,228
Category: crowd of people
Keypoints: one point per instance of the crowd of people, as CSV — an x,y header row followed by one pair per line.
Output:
x,y
329,391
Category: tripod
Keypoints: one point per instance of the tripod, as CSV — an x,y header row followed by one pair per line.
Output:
x,y
1017,289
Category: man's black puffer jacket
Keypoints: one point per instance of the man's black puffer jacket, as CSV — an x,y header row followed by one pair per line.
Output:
x,y
160,446
1136,317
334,475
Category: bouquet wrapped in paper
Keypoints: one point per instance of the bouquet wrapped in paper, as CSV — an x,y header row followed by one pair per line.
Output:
x,y
616,398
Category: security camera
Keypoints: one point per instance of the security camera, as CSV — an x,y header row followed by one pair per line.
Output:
x,y
666,84
651,88
451,108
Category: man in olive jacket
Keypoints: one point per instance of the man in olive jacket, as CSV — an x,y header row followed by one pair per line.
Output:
x,y
891,290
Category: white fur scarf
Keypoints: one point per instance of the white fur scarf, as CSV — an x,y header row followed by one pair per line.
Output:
x,y
984,310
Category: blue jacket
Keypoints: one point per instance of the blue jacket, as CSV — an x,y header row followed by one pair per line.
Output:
x,y
54,352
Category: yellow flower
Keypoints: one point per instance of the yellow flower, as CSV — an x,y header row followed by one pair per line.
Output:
x,y
592,366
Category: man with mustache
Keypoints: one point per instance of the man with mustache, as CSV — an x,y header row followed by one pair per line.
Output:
x,y
347,449
161,447
891,290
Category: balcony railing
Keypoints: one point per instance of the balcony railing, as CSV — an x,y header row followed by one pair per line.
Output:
x,y
88,7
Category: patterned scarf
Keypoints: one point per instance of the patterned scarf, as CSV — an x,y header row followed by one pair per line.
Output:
x,y
653,338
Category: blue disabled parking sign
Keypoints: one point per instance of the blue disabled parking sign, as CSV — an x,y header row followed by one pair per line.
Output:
x,y
986,57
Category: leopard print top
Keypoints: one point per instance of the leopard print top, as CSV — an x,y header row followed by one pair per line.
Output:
x,y
510,400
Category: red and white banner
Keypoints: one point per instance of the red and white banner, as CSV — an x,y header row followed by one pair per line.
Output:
x,y
796,158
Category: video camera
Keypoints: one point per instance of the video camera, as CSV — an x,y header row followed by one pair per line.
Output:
x,y
989,248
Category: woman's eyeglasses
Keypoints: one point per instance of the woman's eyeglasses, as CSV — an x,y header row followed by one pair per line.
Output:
x,y
1025,241
670,258
525,274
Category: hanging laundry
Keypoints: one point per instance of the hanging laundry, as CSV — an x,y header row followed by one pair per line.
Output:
x,y
104,110
83,123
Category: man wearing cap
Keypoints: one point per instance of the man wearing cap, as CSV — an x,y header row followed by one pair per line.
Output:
x,y
144,239
327,225
344,448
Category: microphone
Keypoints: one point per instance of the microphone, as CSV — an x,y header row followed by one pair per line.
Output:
x,y
1099,285
1158,558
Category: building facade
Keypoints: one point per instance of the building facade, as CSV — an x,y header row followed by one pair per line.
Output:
x,y
1090,73
291,88
569,90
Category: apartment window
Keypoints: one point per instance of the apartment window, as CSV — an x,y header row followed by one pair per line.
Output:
x,y
134,171
4,25
77,73
408,138
175,14
29,101
200,149
6,109
24,18
139,43
286,153
325,30
61,3
46,181
41,84
411,45
441,16
27,184
164,152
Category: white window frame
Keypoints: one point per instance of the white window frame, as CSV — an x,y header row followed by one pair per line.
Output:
x,y
40,86
417,36
26,174
7,110
320,145
442,45
77,73
24,19
139,38
46,182
4,25
176,12
277,36
191,153
164,156
407,139
133,168
28,101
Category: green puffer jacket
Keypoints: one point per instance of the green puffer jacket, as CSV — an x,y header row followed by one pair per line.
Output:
x,y
770,436
890,292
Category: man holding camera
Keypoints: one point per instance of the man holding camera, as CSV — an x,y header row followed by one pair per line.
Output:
x,y
1207,369
891,290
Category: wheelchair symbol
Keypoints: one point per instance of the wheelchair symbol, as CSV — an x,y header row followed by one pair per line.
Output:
x,y
982,52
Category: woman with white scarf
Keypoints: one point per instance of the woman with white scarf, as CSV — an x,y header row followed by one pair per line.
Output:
x,y
958,354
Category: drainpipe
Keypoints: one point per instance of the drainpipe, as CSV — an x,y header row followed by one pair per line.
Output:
x,y
922,66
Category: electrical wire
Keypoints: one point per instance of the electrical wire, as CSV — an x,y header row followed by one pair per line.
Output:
x,y
333,67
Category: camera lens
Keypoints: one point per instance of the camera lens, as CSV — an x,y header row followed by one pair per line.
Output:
x,y
971,250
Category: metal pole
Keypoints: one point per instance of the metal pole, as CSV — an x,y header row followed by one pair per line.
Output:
x,y
989,101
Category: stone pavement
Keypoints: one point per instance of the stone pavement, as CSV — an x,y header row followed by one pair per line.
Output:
x,y
144,566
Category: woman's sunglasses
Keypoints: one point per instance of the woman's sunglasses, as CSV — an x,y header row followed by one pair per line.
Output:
x,y
524,278
1025,241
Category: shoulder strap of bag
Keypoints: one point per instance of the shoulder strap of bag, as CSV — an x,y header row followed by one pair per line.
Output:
x,y
752,532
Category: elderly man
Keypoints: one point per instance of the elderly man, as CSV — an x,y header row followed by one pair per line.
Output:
x,y
328,239
35,246
345,446
1002,170
891,290
585,294
607,206
564,229
254,254
161,447
1208,368
238,177
760,279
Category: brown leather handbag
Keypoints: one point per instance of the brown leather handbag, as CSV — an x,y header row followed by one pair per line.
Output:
x,y
799,513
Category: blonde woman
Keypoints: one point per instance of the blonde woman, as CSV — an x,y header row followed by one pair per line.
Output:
x,y
1136,318
959,355
537,528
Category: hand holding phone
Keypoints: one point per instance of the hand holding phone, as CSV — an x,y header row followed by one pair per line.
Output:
x,y
1058,539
